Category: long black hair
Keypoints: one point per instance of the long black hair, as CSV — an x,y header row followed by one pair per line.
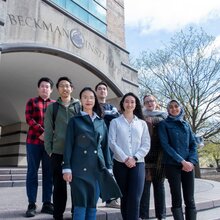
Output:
x,y
96,108
137,110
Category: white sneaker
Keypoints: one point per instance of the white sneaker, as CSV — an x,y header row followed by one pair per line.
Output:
x,y
113,204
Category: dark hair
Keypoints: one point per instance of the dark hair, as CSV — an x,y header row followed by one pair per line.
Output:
x,y
137,110
101,83
96,108
45,79
64,78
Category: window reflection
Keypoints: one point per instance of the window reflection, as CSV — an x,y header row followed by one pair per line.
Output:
x,y
92,12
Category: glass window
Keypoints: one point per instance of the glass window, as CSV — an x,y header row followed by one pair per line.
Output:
x,y
97,24
97,10
87,3
83,3
101,2
61,3
77,11
92,12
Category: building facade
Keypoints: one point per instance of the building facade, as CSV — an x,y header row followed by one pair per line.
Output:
x,y
81,39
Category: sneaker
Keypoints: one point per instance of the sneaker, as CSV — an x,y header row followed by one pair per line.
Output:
x,y
47,208
31,210
113,204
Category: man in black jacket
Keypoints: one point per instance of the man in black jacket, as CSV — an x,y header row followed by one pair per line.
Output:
x,y
109,112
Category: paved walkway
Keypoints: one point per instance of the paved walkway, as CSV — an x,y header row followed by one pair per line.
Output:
x,y
13,203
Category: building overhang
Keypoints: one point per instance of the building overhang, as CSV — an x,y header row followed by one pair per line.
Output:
x,y
21,66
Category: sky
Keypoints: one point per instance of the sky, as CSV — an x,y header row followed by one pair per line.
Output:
x,y
150,23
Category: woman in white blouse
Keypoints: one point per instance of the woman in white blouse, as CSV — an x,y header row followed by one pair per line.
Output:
x,y
129,140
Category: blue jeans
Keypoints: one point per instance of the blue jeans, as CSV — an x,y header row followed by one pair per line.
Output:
x,y
159,198
131,183
86,213
83,213
35,155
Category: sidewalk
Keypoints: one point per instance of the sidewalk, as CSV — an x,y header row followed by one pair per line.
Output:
x,y
13,203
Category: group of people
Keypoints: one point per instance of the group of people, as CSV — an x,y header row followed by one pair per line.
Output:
x,y
107,155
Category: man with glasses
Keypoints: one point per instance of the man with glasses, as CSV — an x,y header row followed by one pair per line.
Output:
x,y
56,120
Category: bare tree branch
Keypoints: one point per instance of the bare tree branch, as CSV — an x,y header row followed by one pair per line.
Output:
x,y
188,69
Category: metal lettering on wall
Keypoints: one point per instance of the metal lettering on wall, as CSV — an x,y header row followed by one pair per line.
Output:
x,y
74,35
38,24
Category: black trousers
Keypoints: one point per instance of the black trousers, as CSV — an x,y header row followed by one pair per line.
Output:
x,y
159,198
60,186
131,184
180,181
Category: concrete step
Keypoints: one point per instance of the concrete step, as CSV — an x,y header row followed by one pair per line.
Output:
x,y
12,170
209,214
13,176
16,177
14,183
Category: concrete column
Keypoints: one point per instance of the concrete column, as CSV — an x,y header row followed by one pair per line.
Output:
x,y
3,10
13,145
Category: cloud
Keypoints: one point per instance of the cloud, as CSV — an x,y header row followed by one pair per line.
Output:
x,y
169,15
217,41
216,44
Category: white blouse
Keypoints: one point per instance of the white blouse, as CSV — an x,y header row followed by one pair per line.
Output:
x,y
128,139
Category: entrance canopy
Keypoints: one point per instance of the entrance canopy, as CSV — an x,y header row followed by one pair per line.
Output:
x,y
22,66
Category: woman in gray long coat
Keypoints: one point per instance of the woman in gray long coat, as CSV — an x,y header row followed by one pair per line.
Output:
x,y
87,159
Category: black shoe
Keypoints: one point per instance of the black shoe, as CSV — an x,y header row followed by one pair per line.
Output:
x,y
31,211
47,208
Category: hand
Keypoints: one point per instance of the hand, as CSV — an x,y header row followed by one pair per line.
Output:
x,y
110,171
187,166
130,162
149,119
67,177
41,137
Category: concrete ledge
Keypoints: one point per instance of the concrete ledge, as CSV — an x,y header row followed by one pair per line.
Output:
x,y
14,204
6,183
108,214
